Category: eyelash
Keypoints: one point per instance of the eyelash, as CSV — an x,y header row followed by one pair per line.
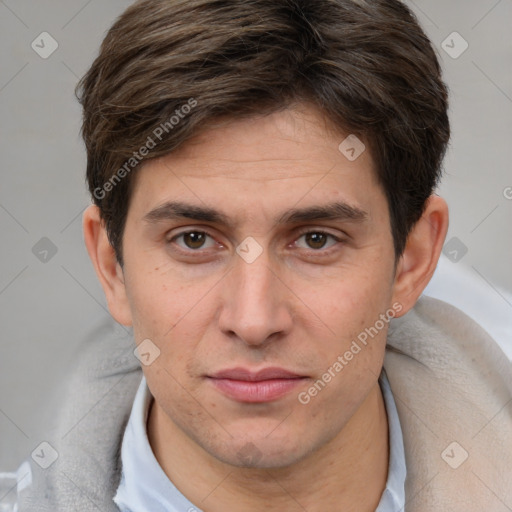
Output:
x,y
318,252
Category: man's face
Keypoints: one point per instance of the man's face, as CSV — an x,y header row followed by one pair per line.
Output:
x,y
224,298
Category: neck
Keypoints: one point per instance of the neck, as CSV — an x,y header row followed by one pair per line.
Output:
x,y
348,473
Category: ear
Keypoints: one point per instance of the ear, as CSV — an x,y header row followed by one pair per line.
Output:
x,y
108,269
423,248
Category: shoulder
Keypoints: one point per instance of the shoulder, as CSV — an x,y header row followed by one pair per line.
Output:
x,y
91,420
453,389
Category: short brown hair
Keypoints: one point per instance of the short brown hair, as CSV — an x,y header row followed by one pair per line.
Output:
x,y
366,64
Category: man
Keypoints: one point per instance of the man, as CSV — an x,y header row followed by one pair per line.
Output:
x,y
263,179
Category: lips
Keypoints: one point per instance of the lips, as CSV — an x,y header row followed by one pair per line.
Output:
x,y
265,385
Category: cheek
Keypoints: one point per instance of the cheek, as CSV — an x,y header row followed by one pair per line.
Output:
x,y
176,313
352,307
351,300
352,360
161,299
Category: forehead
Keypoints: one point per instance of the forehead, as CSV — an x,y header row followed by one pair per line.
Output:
x,y
287,157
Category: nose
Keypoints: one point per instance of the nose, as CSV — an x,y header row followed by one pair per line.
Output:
x,y
255,303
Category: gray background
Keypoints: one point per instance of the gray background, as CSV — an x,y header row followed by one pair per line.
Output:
x,y
48,307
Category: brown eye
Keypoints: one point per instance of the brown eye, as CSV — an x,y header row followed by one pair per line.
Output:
x,y
193,240
316,240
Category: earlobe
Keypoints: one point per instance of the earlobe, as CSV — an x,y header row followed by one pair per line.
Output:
x,y
419,259
108,269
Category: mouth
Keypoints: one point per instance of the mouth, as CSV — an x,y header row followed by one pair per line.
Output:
x,y
266,385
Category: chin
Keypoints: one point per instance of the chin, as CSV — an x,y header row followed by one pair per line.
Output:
x,y
260,453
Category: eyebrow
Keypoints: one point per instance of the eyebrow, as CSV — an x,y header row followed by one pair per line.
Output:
x,y
177,210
